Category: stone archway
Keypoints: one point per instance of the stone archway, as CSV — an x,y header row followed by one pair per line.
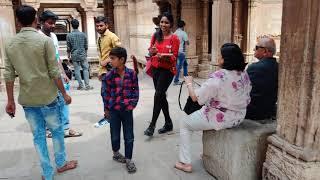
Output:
x,y
77,6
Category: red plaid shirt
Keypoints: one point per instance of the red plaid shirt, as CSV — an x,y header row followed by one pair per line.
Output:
x,y
118,93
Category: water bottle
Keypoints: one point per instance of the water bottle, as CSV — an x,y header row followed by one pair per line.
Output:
x,y
101,123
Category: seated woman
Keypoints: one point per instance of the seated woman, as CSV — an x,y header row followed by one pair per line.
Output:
x,y
225,96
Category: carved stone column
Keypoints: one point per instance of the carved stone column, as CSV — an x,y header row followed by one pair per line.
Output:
x,y
294,152
221,26
204,66
189,15
253,9
91,33
236,22
121,22
7,29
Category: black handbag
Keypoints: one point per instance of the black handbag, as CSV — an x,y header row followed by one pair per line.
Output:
x,y
190,105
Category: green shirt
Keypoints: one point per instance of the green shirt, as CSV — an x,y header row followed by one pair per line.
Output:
x,y
32,56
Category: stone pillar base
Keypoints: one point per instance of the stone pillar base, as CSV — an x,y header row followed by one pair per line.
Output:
x,y
282,166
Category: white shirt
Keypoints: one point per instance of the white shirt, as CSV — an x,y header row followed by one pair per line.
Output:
x,y
225,96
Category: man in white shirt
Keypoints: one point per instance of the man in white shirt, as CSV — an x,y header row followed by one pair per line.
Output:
x,y
48,21
184,41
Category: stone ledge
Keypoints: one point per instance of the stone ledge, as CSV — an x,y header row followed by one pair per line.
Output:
x,y
238,153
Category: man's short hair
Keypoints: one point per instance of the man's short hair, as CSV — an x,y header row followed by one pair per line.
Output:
x,y
181,24
45,15
101,19
74,23
26,14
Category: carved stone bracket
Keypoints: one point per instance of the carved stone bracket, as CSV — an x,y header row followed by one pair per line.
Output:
x,y
298,152
5,3
120,3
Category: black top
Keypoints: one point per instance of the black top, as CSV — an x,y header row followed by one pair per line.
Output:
x,y
264,79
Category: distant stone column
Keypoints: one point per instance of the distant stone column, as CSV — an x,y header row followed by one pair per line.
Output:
x,y
121,22
294,152
236,22
7,29
253,11
91,33
189,15
204,66
221,26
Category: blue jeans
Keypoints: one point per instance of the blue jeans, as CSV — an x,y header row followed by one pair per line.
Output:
x,y
181,62
64,109
126,118
38,118
85,69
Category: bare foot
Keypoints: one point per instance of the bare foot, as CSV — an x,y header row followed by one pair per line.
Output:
x,y
68,166
184,167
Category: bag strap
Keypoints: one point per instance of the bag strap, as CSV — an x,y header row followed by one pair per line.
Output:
x,y
181,90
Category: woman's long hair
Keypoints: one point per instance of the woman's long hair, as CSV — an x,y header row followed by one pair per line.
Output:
x,y
159,34
232,57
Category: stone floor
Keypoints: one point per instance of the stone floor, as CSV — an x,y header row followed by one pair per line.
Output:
x,y
154,157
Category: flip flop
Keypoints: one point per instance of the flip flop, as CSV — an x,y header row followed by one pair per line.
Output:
x,y
72,134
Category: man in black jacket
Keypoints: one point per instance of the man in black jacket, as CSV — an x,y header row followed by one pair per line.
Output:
x,y
264,79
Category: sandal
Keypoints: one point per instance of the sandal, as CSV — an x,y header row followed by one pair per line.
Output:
x,y
184,167
68,166
119,158
72,133
131,167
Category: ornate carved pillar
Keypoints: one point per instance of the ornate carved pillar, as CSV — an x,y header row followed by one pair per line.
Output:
x,y
189,15
294,152
91,33
121,22
221,26
205,11
253,9
236,22
7,29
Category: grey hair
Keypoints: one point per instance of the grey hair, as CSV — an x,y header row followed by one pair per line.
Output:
x,y
269,44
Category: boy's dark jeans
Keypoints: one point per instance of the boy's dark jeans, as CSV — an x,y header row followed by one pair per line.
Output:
x,y
126,118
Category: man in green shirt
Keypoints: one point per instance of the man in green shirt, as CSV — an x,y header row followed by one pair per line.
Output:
x,y
32,56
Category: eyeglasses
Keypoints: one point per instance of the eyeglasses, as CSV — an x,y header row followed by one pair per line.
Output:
x,y
257,47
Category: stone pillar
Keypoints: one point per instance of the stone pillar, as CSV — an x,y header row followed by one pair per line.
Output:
x,y
91,34
7,29
236,22
189,15
121,22
294,152
221,26
204,66
253,11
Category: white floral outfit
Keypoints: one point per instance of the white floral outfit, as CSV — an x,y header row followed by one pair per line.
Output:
x,y
225,96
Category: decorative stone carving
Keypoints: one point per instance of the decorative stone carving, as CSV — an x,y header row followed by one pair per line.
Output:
x,y
282,166
120,3
5,3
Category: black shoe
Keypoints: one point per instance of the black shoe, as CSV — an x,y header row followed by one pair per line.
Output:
x,y
165,128
149,131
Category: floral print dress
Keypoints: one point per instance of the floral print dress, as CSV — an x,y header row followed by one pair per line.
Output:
x,y
225,96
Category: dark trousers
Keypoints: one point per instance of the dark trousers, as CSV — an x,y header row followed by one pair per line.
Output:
x,y
126,118
162,79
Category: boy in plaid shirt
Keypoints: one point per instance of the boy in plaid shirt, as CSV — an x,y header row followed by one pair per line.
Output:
x,y
120,94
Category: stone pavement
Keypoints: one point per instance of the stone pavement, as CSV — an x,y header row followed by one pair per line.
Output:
x,y
154,157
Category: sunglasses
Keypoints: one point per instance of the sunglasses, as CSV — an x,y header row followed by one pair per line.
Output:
x,y
258,47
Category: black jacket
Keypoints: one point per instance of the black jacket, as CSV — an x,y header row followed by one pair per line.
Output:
x,y
264,80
